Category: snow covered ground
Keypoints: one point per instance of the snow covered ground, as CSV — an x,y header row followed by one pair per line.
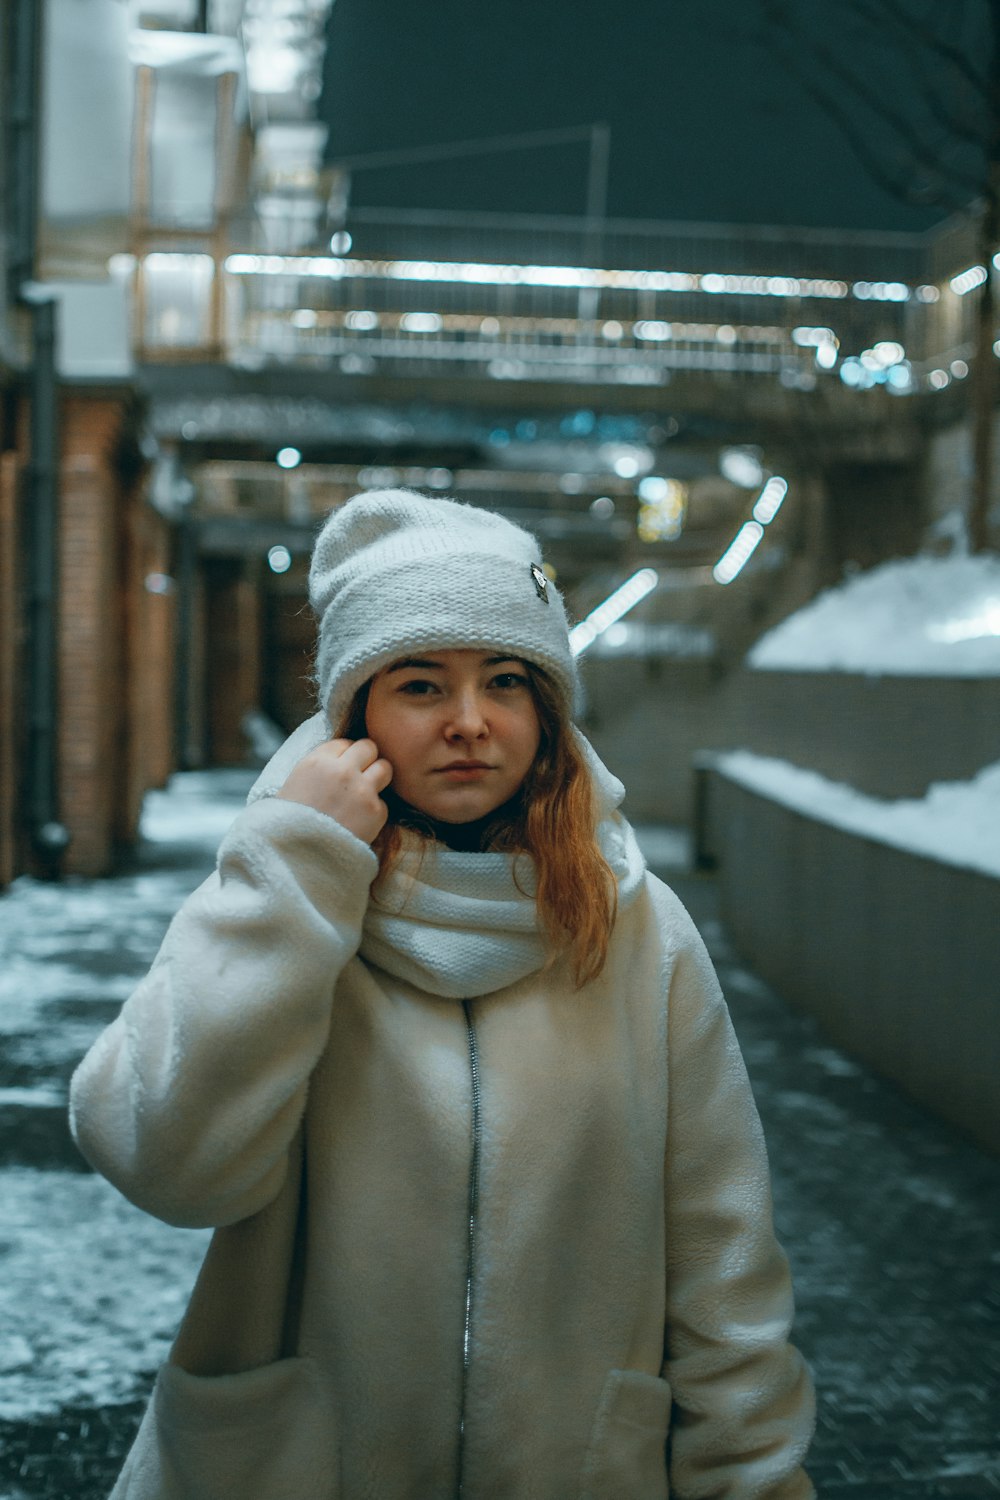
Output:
x,y
91,1293
956,821
923,616
891,1305
91,1289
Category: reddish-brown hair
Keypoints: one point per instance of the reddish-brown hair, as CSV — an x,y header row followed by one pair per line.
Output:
x,y
554,823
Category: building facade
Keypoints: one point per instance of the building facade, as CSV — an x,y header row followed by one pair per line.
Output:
x,y
203,348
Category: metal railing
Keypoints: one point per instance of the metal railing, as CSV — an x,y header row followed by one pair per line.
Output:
x,y
512,297
533,239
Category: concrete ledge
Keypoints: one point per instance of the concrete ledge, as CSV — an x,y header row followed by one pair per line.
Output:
x,y
647,721
895,954
887,736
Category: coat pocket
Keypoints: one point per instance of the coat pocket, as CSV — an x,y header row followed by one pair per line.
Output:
x,y
627,1455
267,1433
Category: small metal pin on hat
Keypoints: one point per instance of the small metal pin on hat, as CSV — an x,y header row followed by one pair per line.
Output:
x,y
541,583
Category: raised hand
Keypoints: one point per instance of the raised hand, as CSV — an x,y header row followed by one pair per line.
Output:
x,y
343,778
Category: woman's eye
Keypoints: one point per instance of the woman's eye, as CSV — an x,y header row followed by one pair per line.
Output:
x,y
510,680
417,687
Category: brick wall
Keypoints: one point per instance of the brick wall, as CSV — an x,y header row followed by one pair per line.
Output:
x,y
117,636
92,720
158,647
149,644
194,732
115,643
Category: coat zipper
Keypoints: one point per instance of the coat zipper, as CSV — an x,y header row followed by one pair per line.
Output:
x,y
470,1262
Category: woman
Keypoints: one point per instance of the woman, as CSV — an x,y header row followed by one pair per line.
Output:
x,y
451,1077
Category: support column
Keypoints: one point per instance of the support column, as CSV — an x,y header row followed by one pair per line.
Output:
x,y
91,654
11,668
232,654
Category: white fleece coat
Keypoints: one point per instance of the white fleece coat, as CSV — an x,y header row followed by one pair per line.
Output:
x,y
478,1233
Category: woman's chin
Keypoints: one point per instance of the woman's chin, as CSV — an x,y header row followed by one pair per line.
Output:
x,y
463,805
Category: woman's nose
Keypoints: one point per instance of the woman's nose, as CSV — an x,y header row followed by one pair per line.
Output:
x,y
468,720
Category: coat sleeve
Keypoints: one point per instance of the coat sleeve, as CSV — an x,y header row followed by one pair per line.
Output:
x,y
189,1100
743,1399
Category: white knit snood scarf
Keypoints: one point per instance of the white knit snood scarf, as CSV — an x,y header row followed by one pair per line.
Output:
x,y
456,924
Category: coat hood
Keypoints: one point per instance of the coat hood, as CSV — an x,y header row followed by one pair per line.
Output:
x,y
456,924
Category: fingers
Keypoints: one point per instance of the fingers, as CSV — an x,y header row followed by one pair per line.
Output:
x,y
357,753
379,774
343,778
363,756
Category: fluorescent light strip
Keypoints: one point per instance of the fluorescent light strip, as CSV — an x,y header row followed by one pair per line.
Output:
x,y
575,277
881,291
769,500
363,320
734,559
624,598
967,281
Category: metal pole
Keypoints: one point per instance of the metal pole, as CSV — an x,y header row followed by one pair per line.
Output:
x,y
450,150
597,180
984,379
596,211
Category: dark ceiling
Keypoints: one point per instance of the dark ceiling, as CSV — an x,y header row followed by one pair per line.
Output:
x,y
715,113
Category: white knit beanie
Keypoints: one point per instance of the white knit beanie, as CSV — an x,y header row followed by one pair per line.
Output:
x,y
393,571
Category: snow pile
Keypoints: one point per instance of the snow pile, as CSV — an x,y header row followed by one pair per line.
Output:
x,y
920,616
957,822
664,848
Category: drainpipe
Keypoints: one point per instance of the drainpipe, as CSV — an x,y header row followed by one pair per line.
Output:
x,y
49,835
21,94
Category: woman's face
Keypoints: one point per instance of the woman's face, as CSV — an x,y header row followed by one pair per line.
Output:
x,y
459,728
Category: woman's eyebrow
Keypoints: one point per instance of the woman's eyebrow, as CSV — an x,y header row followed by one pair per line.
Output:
x,y
425,665
415,661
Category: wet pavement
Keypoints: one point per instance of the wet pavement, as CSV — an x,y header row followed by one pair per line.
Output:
x,y
891,1219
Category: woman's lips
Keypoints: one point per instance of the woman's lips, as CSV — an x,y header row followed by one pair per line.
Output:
x,y
465,770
